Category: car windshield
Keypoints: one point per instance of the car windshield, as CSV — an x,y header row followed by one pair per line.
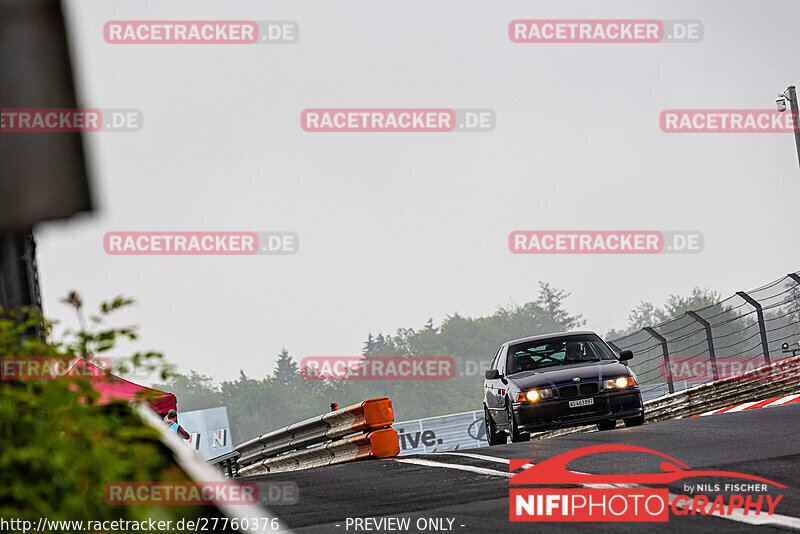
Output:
x,y
556,351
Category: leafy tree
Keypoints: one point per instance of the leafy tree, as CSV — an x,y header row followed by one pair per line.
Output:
x,y
380,344
286,371
647,314
194,391
699,298
551,300
59,448
794,304
369,344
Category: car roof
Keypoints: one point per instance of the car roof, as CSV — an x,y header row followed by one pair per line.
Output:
x,y
543,337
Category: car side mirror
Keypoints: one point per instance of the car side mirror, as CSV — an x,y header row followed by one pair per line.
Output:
x,y
625,355
492,374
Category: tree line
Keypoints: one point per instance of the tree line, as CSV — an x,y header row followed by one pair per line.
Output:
x,y
257,405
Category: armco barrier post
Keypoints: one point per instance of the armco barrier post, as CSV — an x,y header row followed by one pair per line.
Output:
x,y
791,92
650,330
709,341
226,463
796,278
761,324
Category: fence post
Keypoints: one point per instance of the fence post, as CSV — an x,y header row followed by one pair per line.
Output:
x,y
761,325
650,330
709,341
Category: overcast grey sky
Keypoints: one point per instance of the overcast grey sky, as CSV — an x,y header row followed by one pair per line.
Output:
x,y
398,227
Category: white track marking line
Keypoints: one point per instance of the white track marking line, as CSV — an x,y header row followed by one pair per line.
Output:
x,y
750,519
783,400
478,470
505,461
478,457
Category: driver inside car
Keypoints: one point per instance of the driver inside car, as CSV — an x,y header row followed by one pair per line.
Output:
x,y
575,351
523,362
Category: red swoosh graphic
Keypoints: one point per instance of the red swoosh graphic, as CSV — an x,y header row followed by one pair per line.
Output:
x,y
554,470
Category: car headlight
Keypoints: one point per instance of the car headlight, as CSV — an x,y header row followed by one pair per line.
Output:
x,y
534,394
619,383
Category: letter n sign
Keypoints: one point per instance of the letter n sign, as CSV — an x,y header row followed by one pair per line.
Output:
x,y
219,437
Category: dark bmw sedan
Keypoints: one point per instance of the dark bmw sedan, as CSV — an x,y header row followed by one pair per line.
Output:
x,y
558,381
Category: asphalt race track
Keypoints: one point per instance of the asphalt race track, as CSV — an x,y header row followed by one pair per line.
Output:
x,y
473,490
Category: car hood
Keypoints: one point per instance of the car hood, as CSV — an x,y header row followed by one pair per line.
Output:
x,y
561,374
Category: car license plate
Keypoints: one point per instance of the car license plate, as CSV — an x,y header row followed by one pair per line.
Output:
x,y
581,402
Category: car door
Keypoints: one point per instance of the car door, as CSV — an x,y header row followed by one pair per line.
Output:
x,y
490,388
501,387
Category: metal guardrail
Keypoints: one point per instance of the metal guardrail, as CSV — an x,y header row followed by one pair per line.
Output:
x,y
272,452
381,443
747,328
779,378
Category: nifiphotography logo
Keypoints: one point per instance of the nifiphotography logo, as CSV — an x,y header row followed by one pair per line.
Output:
x,y
629,497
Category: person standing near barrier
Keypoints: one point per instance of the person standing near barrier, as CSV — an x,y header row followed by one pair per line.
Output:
x,y
172,422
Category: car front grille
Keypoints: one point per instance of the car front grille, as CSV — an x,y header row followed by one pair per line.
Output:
x,y
589,388
568,391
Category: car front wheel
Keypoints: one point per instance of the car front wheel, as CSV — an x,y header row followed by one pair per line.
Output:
x,y
634,421
513,430
492,435
607,425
